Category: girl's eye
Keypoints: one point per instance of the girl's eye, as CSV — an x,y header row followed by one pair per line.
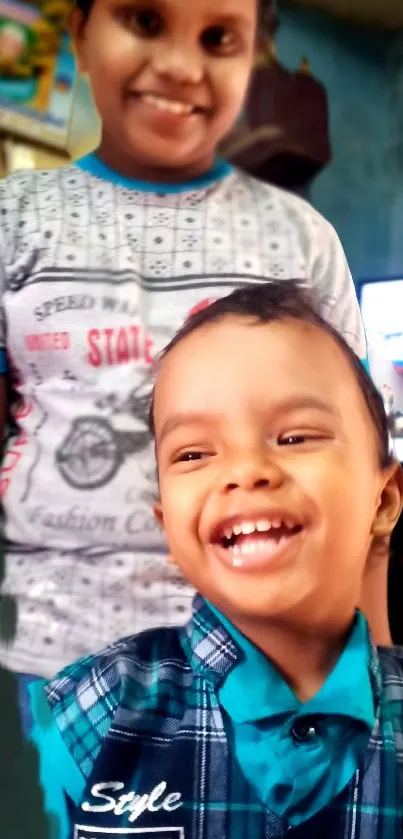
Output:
x,y
218,39
295,439
146,22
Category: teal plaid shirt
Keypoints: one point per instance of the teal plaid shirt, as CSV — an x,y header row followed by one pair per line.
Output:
x,y
143,723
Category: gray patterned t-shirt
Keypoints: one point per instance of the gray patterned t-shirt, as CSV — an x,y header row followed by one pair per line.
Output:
x,y
96,277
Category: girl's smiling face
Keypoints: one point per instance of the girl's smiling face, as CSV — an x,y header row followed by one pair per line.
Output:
x,y
169,78
270,483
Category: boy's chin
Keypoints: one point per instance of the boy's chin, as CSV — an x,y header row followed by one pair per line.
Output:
x,y
254,605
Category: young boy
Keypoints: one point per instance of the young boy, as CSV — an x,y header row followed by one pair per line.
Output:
x,y
100,263
270,712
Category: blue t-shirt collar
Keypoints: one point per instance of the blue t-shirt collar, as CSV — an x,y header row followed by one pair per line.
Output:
x,y
93,164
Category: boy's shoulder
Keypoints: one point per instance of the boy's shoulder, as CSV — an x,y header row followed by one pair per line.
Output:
x,y
138,655
130,665
391,671
126,681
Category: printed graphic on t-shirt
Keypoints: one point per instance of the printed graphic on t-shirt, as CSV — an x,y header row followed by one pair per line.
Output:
x,y
83,368
93,450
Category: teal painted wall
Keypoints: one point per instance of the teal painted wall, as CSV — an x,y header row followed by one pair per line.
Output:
x,y
358,190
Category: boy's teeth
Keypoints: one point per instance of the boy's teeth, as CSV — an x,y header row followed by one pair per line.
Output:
x,y
248,527
249,548
167,104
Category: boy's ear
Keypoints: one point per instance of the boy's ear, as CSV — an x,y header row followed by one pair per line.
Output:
x,y
77,32
390,503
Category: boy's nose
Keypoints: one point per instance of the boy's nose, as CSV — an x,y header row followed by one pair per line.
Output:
x,y
179,62
250,472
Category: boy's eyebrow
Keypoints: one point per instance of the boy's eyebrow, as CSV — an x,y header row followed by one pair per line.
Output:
x,y
299,402
295,403
177,420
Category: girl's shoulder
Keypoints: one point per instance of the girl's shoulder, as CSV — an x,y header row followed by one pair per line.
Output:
x,y
272,201
28,185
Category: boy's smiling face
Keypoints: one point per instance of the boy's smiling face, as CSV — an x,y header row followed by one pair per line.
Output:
x,y
169,78
270,483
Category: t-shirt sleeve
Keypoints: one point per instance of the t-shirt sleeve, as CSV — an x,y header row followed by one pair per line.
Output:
x,y
336,292
59,776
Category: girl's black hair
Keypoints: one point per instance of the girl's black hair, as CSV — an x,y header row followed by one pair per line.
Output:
x,y
265,12
84,6
268,302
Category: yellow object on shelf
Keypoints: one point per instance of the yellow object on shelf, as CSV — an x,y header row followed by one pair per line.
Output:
x,y
19,155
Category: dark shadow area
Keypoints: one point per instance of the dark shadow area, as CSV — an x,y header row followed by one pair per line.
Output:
x,y
22,813
8,605
395,583
8,615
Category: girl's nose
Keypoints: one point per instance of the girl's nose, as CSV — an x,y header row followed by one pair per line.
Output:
x,y
178,62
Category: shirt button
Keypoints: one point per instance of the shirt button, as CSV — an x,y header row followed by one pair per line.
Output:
x,y
303,731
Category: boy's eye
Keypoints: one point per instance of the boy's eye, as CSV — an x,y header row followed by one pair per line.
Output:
x,y
147,22
299,439
188,457
219,39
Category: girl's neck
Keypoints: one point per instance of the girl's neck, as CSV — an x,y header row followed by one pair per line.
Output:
x,y
133,169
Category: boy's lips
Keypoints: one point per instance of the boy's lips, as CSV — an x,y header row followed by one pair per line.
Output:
x,y
252,541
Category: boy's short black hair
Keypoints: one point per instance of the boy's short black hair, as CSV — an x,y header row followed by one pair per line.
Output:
x,y
265,20
279,300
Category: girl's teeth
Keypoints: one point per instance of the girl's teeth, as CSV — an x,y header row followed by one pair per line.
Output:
x,y
167,104
247,528
263,525
276,523
237,562
237,529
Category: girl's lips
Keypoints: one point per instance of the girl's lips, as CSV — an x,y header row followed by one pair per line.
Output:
x,y
259,551
166,105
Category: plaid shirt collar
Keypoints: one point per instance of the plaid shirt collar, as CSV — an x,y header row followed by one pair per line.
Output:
x,y
213,653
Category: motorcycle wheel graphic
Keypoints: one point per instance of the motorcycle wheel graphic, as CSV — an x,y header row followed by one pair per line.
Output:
x,y
90,455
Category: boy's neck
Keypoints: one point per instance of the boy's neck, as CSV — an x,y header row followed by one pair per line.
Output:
x,y
304,656
135,170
